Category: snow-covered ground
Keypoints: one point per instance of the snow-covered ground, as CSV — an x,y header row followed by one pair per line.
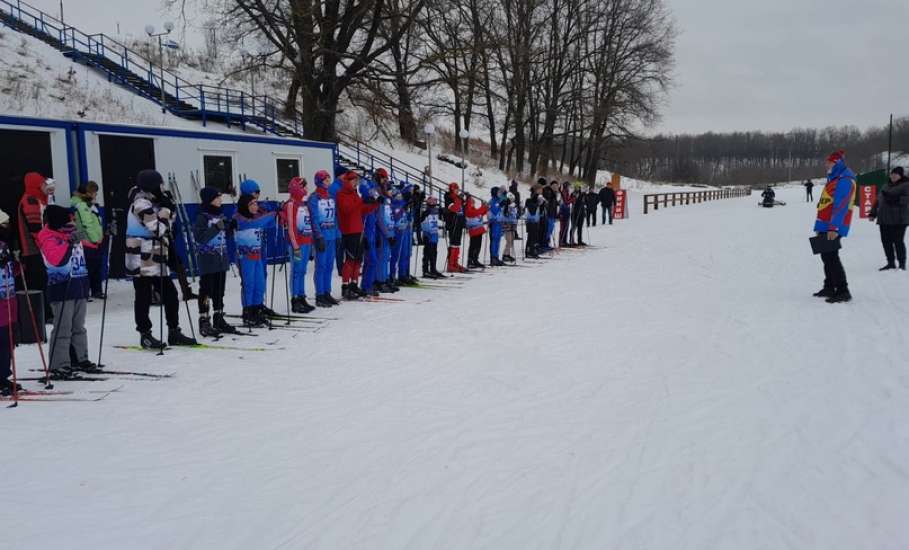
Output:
x,y
677,388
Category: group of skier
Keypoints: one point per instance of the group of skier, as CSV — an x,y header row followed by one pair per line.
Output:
x,y
365,228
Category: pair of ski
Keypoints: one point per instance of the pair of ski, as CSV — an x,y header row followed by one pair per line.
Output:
x,y
58,396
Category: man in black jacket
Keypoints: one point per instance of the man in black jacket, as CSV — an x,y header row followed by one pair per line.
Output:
x,y
607,199
592,200
809,190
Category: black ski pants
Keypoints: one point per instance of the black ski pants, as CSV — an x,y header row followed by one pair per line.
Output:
x,y
144,287
211,290
834,273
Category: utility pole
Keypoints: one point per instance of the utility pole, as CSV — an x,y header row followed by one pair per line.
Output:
x,y
890,144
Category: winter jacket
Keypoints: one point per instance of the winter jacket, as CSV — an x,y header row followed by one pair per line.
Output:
x,y
769,194
64,257
323,209
533,208
892,206
513,188
368,191
352,209
552,202
88,220
567,202
8,305
510,215
607,197
384,220
31,214
578,208
296,218
147,240
209,232
592,201
496,212
834,209
474,217
249,234
401,216
429,221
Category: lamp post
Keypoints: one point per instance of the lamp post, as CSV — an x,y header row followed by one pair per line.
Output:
x,y
465,135
150,31
429,130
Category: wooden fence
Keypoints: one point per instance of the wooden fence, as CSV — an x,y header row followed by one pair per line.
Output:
x,y
665,200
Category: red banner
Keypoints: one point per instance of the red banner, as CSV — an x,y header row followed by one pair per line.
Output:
x,y
620,204
867,198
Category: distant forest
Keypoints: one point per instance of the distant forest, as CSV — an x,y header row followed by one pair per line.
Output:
x,y
754,158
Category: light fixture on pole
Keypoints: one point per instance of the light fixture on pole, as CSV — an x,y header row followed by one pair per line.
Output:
x,y
429,130
150,31
465,136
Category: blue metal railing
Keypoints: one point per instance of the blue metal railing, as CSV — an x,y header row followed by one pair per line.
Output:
x,y
206,100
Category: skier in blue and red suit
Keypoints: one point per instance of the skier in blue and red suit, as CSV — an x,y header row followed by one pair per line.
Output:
x,y
834,216
324,216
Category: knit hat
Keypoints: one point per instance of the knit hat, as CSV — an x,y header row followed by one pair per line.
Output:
x,y
432,201
57,216
898,171
4,218
452,186
150,181
322,178
381,173
836,156
249,187
297,188
209,194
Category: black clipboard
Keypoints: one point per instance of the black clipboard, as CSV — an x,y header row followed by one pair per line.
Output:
x,y
821,244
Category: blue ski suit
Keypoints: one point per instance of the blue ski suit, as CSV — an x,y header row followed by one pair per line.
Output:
x,y
248,238
323,214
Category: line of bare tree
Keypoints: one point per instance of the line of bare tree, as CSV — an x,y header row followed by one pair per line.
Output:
x,y
552,85
755,158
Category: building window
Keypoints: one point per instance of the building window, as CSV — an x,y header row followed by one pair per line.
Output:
x,y
287,169
219,172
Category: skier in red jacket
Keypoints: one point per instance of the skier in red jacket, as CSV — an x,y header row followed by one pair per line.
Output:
x,y
454,225
476,228
351,211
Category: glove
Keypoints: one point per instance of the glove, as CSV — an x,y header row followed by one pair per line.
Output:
x,y
220,224
320,244
164,213
298,254
73,237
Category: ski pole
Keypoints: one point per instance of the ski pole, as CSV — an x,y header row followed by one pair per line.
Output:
x,y
287,290
111,232
12,341
160,292
38,340
59,319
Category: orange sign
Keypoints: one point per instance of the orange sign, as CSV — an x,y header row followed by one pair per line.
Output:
x,y
615,182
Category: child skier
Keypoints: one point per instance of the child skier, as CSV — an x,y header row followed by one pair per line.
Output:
x,y
496,216
429,226
405,236
534,206
454,225
476,228
397,272
68,290
565,214
251,223
324,214
213,262
384,241
351,211
298,222
371,257
509,226
8,310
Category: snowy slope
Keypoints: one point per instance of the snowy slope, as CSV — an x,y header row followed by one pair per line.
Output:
x,y
678,389
39,81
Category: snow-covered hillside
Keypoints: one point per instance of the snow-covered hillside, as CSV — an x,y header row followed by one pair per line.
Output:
x,y
39,81
677,387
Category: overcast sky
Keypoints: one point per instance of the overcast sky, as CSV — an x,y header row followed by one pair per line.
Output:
x,y
741,65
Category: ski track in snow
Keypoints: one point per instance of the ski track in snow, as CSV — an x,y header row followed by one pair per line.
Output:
x,y
678,389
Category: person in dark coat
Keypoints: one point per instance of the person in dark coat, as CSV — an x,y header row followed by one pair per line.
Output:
x,y
769,196
892,214
809,190
578,215
213,262
607,199
592,200
513,189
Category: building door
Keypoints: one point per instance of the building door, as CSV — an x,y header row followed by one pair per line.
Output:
x,y
121,159
21,152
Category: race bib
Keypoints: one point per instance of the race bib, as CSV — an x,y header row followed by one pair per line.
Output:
x,y
327,212
77,266
304,222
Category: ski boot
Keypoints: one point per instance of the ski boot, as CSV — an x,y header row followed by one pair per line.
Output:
x,y
7,388
322,302
825,292
348,293
357,290
840,296
223,326
268,312
206,329
86,366
331,299
147,341
177,338
63,373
